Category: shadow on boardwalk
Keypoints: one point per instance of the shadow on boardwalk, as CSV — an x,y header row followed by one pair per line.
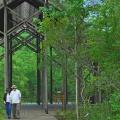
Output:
x,y
34,112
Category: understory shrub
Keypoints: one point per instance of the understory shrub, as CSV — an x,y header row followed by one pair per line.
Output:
x,y
115,106
87,112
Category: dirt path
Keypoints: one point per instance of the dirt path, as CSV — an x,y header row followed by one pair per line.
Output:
x,y
34,112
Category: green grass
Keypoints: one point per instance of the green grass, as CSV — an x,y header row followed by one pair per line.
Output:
x,y
1,113
1,117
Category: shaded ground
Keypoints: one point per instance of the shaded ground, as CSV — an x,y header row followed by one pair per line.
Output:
x,y
34,112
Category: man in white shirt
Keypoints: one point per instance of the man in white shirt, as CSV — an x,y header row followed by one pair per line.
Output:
x,y
15,97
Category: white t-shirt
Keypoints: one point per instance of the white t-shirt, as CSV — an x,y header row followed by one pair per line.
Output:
x,y
15,96
8,97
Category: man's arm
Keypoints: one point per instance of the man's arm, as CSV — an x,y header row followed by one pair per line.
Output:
x,y
19,95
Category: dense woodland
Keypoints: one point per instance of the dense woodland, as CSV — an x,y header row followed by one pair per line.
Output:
x,y
86,35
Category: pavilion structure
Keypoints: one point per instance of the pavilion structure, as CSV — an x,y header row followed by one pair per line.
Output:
x,y
16,17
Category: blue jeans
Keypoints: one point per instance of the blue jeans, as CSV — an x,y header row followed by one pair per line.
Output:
x,y
8,109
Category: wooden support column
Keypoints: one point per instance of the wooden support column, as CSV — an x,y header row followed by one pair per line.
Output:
x,y
38,71
45,72
45,82
6,51
10,62
51,77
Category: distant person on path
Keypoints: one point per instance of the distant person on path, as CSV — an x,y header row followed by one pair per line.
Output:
x,y
7,103
15,97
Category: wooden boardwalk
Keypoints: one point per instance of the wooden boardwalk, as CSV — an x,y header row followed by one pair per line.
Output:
x,y
34,112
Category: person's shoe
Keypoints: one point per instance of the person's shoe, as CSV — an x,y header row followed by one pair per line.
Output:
x,y
17,118
14,117
9,117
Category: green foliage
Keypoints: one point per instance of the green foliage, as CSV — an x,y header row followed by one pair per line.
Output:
x,y
2,107
24,73
97,40
1,117
103,44
115,106
68,115
87,112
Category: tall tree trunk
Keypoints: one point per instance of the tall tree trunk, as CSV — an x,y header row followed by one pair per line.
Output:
x,y
79,82
64,78
78,70
51,77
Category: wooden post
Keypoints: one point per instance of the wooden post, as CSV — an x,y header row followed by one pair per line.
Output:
x,y
45,82
55,99
38,70
45,73
63,102
6,51
10,62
